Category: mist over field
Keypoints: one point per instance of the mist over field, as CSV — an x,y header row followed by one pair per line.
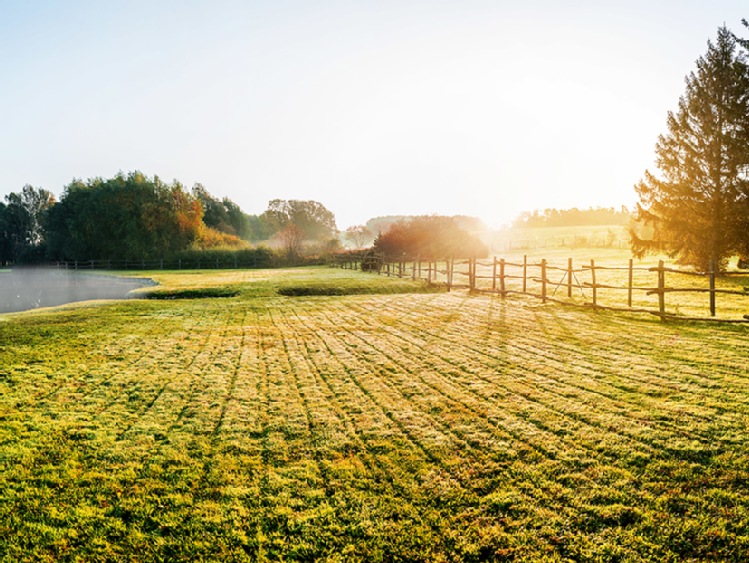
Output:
x,y
30,288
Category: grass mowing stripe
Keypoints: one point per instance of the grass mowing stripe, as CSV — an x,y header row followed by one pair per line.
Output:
x,y
483,405
635,460
441,462
349,405
431,356
548,375
355,393
517,426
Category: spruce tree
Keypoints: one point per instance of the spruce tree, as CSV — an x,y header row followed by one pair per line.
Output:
x,y
696,205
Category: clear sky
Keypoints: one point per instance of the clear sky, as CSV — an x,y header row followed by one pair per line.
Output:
x,y
484,108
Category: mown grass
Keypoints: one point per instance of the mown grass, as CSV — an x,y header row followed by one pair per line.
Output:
x,y
400,425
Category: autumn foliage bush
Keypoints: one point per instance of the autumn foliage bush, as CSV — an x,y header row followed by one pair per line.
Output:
x,y
429,237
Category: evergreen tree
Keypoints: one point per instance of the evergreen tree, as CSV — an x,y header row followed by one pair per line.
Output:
x,y
743,226
695,205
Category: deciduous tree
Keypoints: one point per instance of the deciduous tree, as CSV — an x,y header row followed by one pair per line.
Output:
x,y
429,237
291,238
313,219
22,222
358,235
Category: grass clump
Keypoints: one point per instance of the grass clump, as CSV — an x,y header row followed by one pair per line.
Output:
x,y
326,289
194,293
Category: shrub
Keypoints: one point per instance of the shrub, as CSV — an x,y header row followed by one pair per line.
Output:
x,y
429,237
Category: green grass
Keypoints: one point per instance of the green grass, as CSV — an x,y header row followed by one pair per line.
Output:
x,y
397,425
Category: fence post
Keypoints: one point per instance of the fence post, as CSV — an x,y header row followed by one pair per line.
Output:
x,y
593,282
629,285
471,274
501,277
494,274
525,273
569,278
543,280
712,287
661,287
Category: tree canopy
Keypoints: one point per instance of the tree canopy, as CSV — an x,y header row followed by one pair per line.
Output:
x,y
378,225
697,205
22,224
358,235
224,215
125,217
313,219
429,237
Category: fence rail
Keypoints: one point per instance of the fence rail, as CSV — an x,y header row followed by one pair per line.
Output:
x,y
589,284
167,264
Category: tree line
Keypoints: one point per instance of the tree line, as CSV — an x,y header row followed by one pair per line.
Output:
x,y
573,217
132,217
135,217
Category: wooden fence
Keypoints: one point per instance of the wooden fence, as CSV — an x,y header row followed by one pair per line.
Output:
x,y
222,262
638,289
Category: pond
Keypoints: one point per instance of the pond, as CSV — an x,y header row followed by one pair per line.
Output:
x,y
24,289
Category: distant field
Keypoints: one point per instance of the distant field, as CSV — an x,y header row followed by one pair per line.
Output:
x,y
534,238
373,420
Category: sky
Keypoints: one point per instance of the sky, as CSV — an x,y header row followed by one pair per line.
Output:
x,y
483,108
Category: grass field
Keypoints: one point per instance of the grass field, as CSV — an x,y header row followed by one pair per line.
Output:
x,y
328,415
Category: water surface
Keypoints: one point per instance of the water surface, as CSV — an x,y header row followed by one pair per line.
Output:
x,y
24,289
